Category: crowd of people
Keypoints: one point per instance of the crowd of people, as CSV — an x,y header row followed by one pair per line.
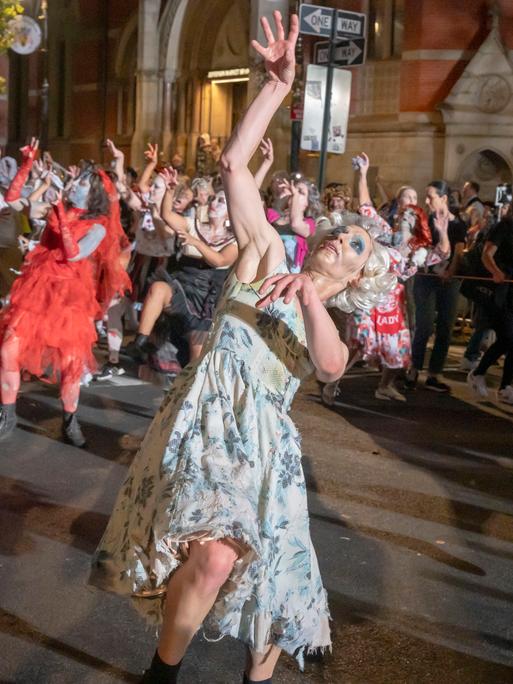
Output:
x,y
233,293
167,238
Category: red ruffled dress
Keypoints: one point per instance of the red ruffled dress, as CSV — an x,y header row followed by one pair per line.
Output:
x,y
55,302
53,305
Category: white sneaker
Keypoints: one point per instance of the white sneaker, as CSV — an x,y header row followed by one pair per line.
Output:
x,y
389,392
478,384
506,394
467,364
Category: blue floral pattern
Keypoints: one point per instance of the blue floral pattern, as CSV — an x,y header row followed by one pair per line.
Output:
x,y
222,459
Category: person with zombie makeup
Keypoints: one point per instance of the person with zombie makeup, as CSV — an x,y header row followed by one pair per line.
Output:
x,y
211,526
191,284
65,284
381,337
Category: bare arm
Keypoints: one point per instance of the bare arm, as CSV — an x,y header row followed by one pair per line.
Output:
x,y
363,187
152,156
88,244
488,259
225,258
255,236
266,147
328,354
174,221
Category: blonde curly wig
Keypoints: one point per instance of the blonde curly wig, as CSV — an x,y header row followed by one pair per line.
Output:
x,y
376,280
374,284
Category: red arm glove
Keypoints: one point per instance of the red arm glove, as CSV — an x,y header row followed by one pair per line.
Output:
x,y
14,192
69,244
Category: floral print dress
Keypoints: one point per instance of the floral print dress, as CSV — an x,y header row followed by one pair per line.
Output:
x,y
222,459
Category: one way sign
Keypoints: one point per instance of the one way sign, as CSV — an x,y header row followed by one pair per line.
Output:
x,y
315,20
347,52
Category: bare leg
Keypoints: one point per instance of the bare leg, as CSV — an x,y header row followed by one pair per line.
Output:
x,y
191,593
260,666
9,368
159,296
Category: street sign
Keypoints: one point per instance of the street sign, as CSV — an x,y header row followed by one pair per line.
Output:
x,y
315,20
347,52
316,97
350,24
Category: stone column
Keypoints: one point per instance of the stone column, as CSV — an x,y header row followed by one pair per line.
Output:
x,y
149,81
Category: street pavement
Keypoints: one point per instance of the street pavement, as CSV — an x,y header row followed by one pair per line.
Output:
x,y
411,516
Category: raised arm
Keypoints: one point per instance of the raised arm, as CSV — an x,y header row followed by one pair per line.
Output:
x,y
266,148
174,221
363,186
152,157
260,245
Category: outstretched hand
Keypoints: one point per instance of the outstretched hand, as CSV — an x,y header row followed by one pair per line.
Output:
x,y
279,57
287,286
267,150
30,150
152,154
170,176
115,152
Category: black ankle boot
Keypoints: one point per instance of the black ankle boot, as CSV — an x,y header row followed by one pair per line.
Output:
x,y
160,672
7,420
71,430
251,681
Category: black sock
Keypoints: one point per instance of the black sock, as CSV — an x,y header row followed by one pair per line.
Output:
x,y
68,416
161,672
246,680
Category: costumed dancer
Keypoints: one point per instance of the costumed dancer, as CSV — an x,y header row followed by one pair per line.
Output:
x,y
66,283
211,525
383,336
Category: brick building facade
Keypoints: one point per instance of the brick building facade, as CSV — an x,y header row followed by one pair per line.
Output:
x,y
433,98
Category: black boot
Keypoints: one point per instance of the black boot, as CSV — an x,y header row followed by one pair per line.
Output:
x,y
251,681
7,420
160,672
138,349
71,430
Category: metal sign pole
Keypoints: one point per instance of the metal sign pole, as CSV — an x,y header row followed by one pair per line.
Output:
x,y
327,105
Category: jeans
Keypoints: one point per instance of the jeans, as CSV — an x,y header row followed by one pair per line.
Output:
x,y
502,322
434,299
481,321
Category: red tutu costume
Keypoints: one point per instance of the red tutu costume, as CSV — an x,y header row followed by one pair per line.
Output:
x,y
54,302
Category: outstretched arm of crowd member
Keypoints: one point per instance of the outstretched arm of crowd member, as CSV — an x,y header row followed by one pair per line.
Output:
x,y
266,148
256,237
327,352
297,214
46,182
225,258
488,259
363,186
174,221
28,155
152,157
76,250
119,166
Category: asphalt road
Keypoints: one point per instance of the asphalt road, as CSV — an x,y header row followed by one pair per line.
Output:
x,y
411,514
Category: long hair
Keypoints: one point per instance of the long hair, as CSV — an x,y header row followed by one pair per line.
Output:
x,y
374,283
98,201
421,234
